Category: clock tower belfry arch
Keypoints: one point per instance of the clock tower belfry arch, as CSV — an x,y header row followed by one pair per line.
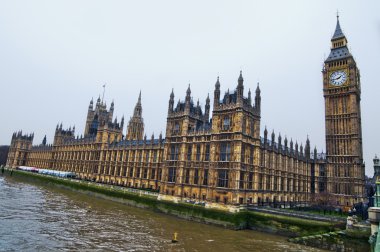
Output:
x,y
344,151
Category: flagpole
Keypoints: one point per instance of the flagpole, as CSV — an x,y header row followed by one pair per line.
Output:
x,y
104,90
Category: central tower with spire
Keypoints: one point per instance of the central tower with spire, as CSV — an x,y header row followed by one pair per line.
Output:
x,y
342,91
135,130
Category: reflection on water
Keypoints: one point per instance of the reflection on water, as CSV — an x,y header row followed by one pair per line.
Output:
x,y
34,217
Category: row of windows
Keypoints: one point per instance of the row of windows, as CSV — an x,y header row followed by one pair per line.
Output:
x,y
174,153
109,156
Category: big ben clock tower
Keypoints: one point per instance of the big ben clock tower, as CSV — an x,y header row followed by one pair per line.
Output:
x,y
341,89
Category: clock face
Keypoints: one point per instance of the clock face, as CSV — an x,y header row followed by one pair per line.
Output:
x,y
338,78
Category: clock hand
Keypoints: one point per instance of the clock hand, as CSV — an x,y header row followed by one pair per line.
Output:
x,y
338,77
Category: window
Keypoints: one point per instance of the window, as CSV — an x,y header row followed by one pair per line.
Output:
x,y
145,173
252,127
187,176
159,174
189,151
155,156
243,153
225,152
198,152
207,154
131,172
153,174
244,126
174,152
222,178
196,176
147,157
275,183
250,180
172,174
226,123
176,128
241,181
205,177
138,173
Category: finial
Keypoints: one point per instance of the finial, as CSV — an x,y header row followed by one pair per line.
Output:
x,y
217,84
337,14
240,76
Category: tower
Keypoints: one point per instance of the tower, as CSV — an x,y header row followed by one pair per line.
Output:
x,y
341,89
135,129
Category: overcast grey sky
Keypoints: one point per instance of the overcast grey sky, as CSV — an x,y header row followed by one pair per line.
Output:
x,y
56,55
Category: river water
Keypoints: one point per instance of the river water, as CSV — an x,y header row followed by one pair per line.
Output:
x,y
36,217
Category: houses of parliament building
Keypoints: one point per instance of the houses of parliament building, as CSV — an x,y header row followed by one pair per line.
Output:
x,y
218,156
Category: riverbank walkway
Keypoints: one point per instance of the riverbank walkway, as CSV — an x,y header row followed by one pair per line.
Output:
x,y
298,214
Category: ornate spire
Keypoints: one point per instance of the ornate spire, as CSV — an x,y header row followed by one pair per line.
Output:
x,y
258,91
207,109
240,87
135,127
91,103
171,102
217,84
217,93
265,133
138,108
188,94
240,80
338,31
258,98
286,142
249,97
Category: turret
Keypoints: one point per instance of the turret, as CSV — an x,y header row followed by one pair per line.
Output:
x,y
291,146
286,143
135,128
307,148
207,109
265,135
258,98
217,93
315,153
110,114
171,102
188,95
240,88
249,97
122,123
44,141
91,106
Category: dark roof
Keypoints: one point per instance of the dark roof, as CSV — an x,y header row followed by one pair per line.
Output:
x,y
338,31
338,53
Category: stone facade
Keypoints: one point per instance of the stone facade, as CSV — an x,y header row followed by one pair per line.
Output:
x,y
218,158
